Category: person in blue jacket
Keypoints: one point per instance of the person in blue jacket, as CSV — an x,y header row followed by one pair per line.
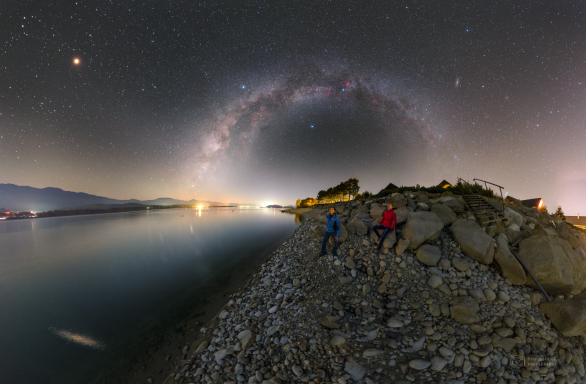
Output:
x,y
332,230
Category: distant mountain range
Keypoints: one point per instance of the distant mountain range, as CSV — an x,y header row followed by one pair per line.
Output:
x,y
20,198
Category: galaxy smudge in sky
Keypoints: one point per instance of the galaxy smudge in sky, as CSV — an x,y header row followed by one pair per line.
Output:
x,y
267,102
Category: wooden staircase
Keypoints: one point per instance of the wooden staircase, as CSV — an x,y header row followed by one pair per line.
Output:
x,y
484,212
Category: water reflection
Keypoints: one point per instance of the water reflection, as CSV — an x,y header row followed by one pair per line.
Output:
x,y
99,277
77,338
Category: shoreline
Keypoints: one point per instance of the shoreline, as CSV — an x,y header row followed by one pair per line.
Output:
x,y
161,356
297,211
421,313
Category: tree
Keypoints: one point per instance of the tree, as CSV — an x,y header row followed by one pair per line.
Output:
x,y
353,187
560,213
298,203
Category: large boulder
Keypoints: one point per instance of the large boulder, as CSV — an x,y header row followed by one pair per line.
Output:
x,y
343,236
402,214
422,226
575,238
547,231
474,242
568,316
357,226
452,202
362,215
400,202
377,212
556,266
513,217
511,268
445,213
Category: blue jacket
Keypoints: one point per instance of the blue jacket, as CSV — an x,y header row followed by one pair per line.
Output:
x,y
330,223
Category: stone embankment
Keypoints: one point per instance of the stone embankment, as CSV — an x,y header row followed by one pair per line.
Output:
x,y
445,302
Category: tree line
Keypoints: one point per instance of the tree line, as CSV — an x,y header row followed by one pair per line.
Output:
x,y
346,190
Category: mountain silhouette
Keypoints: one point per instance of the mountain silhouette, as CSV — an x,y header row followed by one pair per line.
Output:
x,y
22,198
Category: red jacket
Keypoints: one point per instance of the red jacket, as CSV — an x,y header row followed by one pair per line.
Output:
x,y
389,219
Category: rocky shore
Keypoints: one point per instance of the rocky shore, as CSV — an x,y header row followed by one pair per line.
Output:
x,y
445,302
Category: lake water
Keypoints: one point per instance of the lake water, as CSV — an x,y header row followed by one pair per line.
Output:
x,y
73,290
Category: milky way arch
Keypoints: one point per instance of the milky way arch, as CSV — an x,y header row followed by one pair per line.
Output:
x,y
238,125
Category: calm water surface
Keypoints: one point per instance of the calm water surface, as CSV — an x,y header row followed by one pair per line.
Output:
x,y
71,288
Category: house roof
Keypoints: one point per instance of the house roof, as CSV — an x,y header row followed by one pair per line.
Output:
x,y
530,203
391,187
444,183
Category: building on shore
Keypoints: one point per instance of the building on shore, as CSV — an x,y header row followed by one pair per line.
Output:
x,y
391,187
577,220
445,184
531,203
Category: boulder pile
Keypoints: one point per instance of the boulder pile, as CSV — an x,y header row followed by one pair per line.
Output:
x,y
445,302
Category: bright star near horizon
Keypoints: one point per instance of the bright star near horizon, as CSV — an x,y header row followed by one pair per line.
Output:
x,y
76,61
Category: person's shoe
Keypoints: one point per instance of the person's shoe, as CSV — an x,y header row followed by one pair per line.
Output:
x,y
321,254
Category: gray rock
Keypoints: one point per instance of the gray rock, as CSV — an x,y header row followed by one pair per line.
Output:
x,y
337,340
355,370
402,214
445,213
419,364
438,363
247,339
402,245
298,371
453,202
350,263
460,264
463,309
418,344
513,217
428,254
357,226
422,226
567,316
475,243
422,207
558,268
434,281
372,352
489,294
503,296
510,267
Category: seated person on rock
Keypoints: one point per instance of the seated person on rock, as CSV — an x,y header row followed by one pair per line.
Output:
x,y
387,223
332,230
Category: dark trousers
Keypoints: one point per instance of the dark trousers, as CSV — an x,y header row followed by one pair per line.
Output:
x,y
324,241
381,238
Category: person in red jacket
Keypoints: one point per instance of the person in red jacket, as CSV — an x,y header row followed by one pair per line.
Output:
x,y
387,223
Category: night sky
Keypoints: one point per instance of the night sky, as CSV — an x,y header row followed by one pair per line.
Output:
x,y
267,102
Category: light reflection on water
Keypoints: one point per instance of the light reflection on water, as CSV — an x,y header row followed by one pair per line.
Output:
x,y
84,340
92,280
